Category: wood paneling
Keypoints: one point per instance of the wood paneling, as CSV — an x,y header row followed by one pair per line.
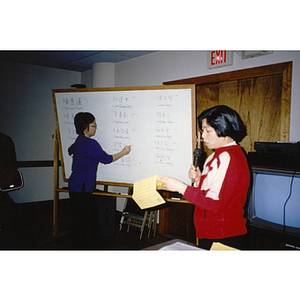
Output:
x,y
258,101
207,96
177,220
261,95
286,102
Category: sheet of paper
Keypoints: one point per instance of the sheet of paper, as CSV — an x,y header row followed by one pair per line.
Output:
x,y
219,246
180,246
145,193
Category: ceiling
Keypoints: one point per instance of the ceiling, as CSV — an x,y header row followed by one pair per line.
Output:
x,y
69,60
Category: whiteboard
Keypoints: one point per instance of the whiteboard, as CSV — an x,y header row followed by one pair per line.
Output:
x,y
156,121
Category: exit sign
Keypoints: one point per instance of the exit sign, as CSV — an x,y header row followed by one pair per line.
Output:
x,y
219,58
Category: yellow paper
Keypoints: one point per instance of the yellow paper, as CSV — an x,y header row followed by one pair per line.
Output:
x,y
219,246
145,193
159,185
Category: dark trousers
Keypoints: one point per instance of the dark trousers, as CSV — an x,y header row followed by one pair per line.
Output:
x,y
238,242
83,220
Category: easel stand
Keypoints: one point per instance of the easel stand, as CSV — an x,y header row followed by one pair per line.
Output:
x,y
54,233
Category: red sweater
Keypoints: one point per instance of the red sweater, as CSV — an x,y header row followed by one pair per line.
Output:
x,y
221,194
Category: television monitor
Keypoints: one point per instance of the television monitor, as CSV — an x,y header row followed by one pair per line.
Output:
x,y
274,200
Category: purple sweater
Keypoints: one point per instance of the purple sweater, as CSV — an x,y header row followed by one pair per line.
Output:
x,y
87,153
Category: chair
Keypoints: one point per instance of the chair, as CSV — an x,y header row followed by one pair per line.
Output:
x,y
134,216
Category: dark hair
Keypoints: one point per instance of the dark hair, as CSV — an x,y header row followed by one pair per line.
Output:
x,y
225,121
82,120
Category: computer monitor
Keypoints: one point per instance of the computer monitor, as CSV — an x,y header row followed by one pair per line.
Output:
x,y
274,200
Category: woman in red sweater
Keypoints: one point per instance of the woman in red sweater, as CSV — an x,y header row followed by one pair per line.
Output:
x,y
220,191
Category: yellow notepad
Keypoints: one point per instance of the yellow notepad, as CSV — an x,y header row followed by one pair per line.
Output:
x,y
145,193
219,246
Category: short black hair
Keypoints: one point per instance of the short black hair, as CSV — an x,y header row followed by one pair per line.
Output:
x,y
225,121
82,121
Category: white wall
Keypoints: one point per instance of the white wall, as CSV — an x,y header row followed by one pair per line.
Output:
x,y
158,67
87,78
27,116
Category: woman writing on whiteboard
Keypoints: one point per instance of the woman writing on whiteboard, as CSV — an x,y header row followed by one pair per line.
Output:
x,y
87,154
219,192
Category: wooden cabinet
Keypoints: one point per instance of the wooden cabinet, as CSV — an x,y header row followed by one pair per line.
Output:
x,y
176,219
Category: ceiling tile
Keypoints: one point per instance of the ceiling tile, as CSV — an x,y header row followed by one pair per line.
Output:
x,y
69,60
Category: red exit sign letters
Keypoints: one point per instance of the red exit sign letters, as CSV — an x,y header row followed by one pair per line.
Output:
x,y
219,58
